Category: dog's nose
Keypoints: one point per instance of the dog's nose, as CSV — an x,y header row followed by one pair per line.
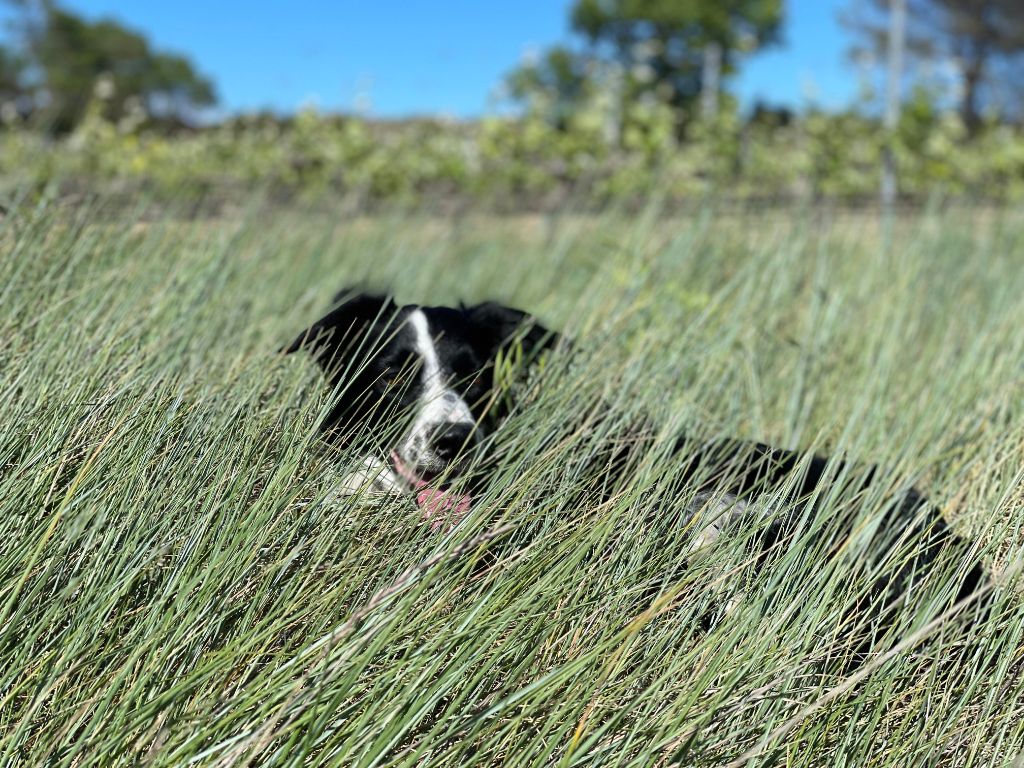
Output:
x,y
449,439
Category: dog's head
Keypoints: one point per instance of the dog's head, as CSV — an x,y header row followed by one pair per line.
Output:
x,y
432,367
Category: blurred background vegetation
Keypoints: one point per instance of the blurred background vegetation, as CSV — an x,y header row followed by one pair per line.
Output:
x,y
636,102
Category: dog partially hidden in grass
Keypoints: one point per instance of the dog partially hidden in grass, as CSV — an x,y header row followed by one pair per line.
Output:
x,y
435,365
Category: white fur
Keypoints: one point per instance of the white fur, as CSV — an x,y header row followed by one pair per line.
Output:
x,y
440,403
373,477
714,513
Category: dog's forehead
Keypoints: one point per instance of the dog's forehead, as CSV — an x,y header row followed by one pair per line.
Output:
x,y
445,324
412,329
445,318
392,335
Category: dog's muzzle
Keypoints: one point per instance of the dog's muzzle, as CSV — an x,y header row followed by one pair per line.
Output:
x,y
441,507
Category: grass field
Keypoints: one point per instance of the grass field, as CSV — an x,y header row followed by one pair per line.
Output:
x,y
180,586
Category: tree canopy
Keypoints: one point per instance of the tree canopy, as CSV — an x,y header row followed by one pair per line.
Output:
x,y
659,45
11,74
671,34
981,41
68,57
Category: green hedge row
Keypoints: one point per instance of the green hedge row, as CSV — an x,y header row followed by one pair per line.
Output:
x,y
528,162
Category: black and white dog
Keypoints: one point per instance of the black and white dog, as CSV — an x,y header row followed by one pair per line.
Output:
x,y
435,364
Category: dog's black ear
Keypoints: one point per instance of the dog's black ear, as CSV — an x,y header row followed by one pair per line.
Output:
x,y
343,328
494,327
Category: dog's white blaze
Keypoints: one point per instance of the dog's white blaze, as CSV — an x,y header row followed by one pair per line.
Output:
x,y
432,381
441,404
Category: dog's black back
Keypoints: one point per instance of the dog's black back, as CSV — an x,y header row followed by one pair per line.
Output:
x,y
365,346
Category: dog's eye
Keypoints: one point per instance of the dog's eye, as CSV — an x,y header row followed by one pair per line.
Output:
x,y
396,375
465,366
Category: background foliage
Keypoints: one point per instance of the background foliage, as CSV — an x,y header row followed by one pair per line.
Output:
x,y
529,162
90,105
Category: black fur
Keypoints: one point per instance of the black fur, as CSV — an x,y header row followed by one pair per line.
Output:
x,y
746,469
366,353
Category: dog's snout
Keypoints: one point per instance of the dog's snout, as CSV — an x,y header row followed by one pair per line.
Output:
x,y
449,439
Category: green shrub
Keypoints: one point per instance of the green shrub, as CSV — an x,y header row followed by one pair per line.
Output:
x,y
526,160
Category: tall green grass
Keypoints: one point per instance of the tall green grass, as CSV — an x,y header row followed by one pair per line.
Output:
x,y
179,584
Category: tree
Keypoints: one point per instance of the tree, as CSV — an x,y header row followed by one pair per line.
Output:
x,y
658,47
982,41
662,43
70,56
561,75
980,35
11,75
897,41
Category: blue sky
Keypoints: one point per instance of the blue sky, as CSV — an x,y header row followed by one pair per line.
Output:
x,y
401,57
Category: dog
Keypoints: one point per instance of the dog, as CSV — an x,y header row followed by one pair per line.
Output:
x,y
436,365
433,362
